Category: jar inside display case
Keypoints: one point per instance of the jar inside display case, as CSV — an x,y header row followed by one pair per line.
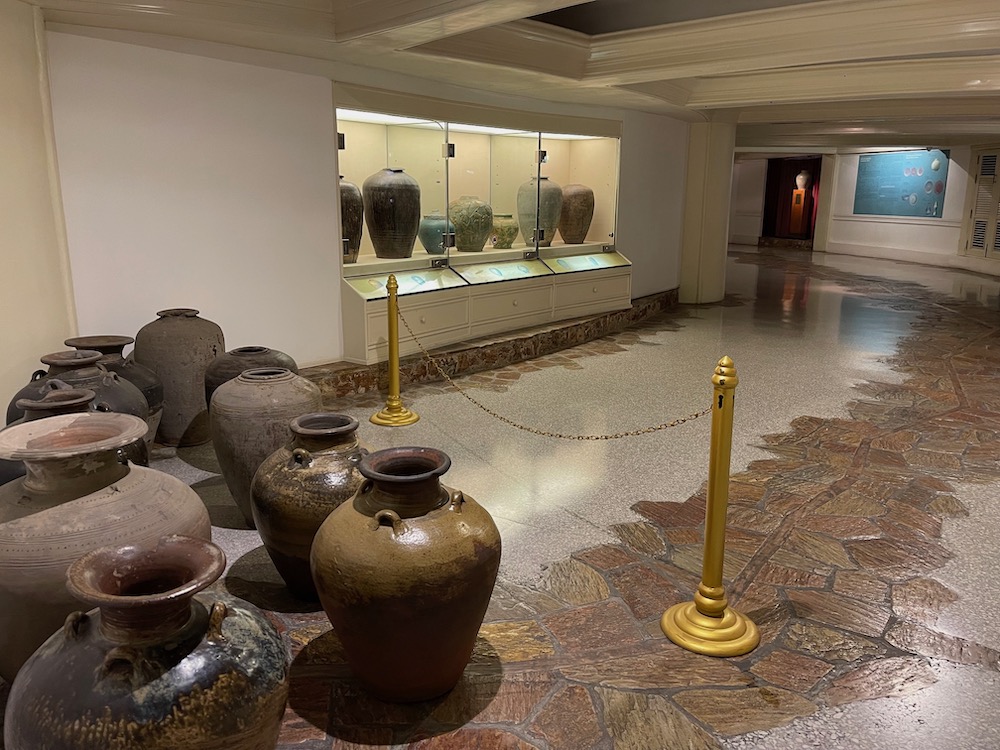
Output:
x,y
466,182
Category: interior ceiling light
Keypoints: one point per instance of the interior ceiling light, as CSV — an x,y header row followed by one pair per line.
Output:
x,y
378,118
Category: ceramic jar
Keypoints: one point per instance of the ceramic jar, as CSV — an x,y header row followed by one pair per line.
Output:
x,y
431,232
112,350
392,212
230,364
549,203
299,485
473,223
249,421
404,572
76,497
352,213
576,214
802,179
504,231
179,346
157,665
57,362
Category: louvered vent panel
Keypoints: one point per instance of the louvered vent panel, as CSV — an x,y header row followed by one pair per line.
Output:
x,y
996,237
984,195
979,234
988,165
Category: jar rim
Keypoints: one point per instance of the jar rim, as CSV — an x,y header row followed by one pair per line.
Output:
x,y
69,435
178,312
404,465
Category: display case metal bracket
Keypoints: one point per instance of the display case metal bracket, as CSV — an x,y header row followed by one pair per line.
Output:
x,y
530,255
608,248
439,263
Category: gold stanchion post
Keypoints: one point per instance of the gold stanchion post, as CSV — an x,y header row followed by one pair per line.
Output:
x,y
394,414
708,625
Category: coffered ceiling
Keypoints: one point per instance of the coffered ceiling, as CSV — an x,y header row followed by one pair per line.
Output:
x,y
804,74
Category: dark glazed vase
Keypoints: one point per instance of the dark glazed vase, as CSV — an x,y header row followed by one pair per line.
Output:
x,y
112,350
299,485
576,214
431,233
157,665
75,497
405,571
352,214
249,421
392,211
57,362
230,364
178,347
473,223
549,203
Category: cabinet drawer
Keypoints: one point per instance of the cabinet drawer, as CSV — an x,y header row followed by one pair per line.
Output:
x,y
593,290
425,319
513,304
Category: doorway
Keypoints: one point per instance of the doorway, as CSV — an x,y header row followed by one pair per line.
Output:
x,y
791,198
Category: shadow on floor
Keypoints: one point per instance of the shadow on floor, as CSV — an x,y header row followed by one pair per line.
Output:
x,y
254,578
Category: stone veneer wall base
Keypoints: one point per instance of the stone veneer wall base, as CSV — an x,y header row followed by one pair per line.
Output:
x,y
343,378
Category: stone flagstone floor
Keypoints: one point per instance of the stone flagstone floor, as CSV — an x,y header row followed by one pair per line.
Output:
x,y
836,545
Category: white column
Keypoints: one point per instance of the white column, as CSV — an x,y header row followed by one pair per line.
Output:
x,y
706,212
824,214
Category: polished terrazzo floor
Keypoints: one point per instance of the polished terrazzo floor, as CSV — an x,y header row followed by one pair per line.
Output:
x,y
861,528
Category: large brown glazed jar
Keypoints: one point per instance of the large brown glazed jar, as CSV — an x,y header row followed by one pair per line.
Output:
x,y
249,421
75,497
405,571
577,213
230,364
352,219
178,347
299,485
57,362
157,665
112,349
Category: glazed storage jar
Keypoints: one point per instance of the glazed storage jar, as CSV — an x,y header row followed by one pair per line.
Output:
x,y
352,213
75,497
431,233
576,214
112,350
392,212
547,196
299,485
404,572
179,346
249,420
504,231
473,223
157,665
230,364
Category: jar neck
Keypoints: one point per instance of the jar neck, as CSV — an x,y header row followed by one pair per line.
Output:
x,y
343,443
52,481
409,499
150,623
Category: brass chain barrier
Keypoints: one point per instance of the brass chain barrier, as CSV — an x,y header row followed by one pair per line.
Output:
x,y
534,430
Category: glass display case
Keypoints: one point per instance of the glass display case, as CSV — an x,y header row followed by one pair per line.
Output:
x,y
482,226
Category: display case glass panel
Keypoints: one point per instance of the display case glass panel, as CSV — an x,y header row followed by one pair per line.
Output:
x,y
469,171
589,262
410,282
488,273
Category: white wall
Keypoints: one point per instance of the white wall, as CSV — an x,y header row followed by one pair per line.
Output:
x,y
36,307
921,240
746,209
194,182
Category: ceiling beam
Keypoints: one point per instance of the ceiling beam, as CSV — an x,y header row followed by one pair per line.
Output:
x,y
406,23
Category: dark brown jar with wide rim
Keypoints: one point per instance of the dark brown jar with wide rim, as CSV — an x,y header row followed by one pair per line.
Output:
x,y
299,485
75,497
157,665
178,346
229,364
249,420
57,362
405,571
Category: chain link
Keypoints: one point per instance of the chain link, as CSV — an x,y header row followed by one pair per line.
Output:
x,y
534,430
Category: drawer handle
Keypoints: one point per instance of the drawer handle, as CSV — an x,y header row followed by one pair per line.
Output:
x,y
515,303
423,319
594,290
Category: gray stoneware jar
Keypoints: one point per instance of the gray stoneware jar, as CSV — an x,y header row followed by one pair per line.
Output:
x,y
230,364
549,199
392,212
352,218
57,362
179,346
249,422
577,213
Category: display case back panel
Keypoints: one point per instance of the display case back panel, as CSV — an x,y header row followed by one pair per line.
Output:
x,y
594,163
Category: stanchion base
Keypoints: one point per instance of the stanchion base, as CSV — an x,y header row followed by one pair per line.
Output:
x,y
394,417
732,634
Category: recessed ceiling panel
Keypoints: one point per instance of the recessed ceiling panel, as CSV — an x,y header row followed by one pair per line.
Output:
x,y
605,16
